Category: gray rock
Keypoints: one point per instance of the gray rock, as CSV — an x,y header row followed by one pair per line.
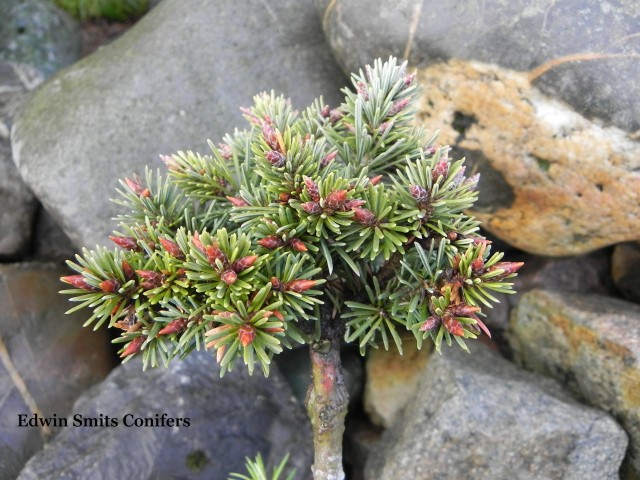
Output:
x,y
590,343
17,203
38,33
46,358
581,274
602,81
50,243
175,79
478,416
230,418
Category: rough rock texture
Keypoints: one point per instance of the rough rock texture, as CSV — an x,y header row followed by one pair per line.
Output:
x,y
589,273
17,203
591,344
625,270
46,358
552,183
585,53
478,416
230,418
175,79
392,380
38,33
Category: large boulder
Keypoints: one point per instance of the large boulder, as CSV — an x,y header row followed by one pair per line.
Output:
x,y
542,99
46,358
591,343
228,419
175,79
478,416
17,203
583,53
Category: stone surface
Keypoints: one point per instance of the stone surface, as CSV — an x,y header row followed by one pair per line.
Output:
x,y
585,53
625,270
50,243
230,418
589,273
552,183
17,203
38,33
175,79
392,380
478,416
46,358
591,344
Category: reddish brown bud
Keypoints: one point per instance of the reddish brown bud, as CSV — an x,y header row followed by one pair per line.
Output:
x,y
477,264
176,326
375,180
419,193
109,286
229,277
298,245
171,164
276,284
335,115
325,111
463,310
128,271
271,242
384,127
361,88
246,334
197,243
364,216
452,236
134,185
453,326
398,106
508,267
330,157
237,202
351,204
128,243
172,248
225,151
284,197
133,347
270,136
312,208
244,263
312,188
299,285
214,253
408,79
276,158
78,281
430,323
336,199
150,279
276,314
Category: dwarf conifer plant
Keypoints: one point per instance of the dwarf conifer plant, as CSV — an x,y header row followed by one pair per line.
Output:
x,y
332,225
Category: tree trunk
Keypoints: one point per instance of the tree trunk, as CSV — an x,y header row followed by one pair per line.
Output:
x,y
327,401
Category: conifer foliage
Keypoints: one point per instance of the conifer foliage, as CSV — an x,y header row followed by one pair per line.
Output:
x,y
351,210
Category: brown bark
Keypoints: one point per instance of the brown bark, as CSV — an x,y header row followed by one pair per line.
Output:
x,y
327,402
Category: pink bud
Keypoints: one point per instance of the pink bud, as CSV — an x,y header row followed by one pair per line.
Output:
x,y
271,242
429,324
109,286
453,326
312,208
312,188
78,281
244,263
397,107
299,285
172,248
246,334
275,158
133,347
176,326
298,245
237,202
229,277
128,243
325,111
364,216
336,199
335,115
328,159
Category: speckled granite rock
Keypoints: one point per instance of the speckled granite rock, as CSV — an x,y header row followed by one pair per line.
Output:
x,y
46,358
585,53
175,79
552,183
478,416
591,344
229,418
